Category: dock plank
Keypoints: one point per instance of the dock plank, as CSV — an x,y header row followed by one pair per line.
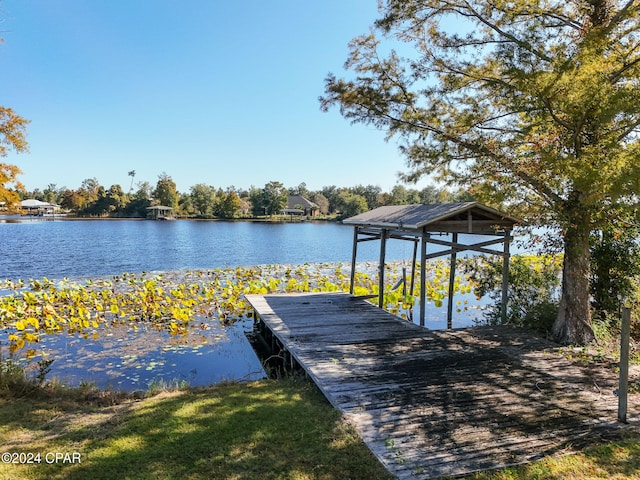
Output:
x,y
441,403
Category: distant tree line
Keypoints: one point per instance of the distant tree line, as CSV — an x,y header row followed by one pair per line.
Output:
x,y
92,199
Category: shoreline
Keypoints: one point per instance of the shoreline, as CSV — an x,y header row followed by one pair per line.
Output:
x,y
275,219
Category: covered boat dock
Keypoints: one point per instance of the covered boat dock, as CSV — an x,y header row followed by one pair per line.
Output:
x,y
159,212
421,224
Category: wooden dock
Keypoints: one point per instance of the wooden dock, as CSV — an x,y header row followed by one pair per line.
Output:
x,y
440,403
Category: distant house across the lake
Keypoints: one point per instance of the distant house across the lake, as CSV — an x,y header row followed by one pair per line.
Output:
x,y
36,207
298,205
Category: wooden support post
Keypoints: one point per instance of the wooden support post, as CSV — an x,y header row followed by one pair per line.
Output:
x,y
354,254
423,281
383,252
404,281
623,387
505,276
413,266
452,281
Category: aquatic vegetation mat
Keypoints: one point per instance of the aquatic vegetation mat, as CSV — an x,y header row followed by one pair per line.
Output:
x,y
178,301
134,331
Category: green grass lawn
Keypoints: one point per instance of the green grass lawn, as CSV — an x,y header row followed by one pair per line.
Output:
x,y
268,429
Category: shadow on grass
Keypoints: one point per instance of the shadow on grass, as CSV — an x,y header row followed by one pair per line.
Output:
x,y
263,430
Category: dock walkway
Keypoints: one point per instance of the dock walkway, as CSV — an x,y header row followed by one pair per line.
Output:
x,y
441,403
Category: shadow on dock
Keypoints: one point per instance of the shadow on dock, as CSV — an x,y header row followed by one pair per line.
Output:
x,y
440,403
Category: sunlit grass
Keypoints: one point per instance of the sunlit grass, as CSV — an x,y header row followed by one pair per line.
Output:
x,y
266,429
615,460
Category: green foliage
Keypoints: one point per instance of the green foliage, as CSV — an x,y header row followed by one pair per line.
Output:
x,y
13,379
166,192
16,381
615,267
229,204
400,195
532,294
274,198
71,200
322,202
44,368
203,199
349,204
371,194
107,202
520,104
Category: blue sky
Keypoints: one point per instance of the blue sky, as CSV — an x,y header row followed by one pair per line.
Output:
x,y
208,91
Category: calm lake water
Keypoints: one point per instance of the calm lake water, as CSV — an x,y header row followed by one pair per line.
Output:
x,y
131,359
96,248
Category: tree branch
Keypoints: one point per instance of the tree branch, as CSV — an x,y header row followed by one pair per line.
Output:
x,y
524,45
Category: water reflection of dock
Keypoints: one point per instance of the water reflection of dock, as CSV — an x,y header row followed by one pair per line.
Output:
x,y
436,403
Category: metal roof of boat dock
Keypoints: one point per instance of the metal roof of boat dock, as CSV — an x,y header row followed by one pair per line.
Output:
x,y
449,217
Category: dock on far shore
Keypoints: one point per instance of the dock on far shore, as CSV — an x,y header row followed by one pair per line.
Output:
x,y
440,403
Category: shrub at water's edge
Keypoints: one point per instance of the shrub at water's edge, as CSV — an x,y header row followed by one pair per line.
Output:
x,y
533,291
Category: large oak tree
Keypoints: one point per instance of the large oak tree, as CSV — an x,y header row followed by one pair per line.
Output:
x,y
534,105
